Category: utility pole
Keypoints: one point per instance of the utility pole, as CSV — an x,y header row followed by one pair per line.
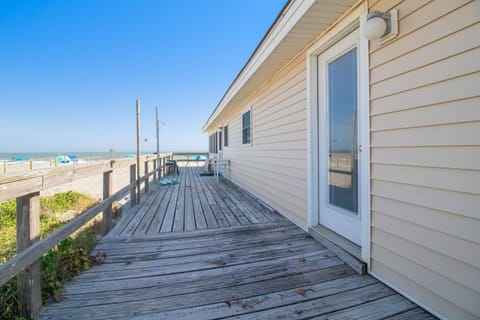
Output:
x,y
138,151
158,145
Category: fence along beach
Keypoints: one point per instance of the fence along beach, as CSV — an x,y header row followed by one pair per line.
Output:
x,y
16,163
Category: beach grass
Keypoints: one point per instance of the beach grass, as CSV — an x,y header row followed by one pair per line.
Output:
x,y
59,265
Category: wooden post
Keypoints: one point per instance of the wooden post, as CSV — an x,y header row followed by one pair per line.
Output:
x,y
28,232
146,176
163,166
4,166
50,164
107,192
138,151
31,164
155,176
133,192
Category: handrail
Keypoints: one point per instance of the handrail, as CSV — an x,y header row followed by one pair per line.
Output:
x,y
26,189
28,256
20,185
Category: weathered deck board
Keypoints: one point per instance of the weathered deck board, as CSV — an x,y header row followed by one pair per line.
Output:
x,y
196,203
230,257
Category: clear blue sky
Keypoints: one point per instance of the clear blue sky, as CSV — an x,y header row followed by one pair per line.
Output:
x,y
70,71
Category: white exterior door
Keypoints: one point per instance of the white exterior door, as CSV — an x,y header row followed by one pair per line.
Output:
x,y
339,136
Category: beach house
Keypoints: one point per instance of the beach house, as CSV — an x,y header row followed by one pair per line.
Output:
x,y
360,122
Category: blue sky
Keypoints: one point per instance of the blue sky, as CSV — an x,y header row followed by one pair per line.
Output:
x,y
70,71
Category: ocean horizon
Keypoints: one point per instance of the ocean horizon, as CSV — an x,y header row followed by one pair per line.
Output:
x,y
11,156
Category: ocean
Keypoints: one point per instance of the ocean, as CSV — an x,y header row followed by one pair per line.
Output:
x,y
80,155
92,156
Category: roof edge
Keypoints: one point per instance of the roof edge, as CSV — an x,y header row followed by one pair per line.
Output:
x,y
275,22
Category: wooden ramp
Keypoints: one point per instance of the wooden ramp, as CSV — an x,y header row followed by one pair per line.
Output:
x,y
264,270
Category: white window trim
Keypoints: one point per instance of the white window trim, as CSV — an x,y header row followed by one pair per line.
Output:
x,y
350,22
251,126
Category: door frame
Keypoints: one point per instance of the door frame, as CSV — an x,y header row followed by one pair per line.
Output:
x,y
352,20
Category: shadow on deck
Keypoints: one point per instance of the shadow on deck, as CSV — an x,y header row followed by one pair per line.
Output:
x,y
231,257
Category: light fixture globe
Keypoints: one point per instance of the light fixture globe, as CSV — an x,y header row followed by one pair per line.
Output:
x,y
375,27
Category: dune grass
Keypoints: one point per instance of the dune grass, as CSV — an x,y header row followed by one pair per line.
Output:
x,y
59,265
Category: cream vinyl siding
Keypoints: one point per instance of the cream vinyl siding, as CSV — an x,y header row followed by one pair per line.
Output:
x,y
273,167
425,154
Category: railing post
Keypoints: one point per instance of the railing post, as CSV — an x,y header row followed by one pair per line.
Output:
x,y
163,166
146,176
28,232
155,172
107,192
133,187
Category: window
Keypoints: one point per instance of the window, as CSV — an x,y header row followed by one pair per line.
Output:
x,y
220,141
246,127
212,143
225,136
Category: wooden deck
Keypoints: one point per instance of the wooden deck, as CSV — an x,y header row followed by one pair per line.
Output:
x,y
231,257
198,202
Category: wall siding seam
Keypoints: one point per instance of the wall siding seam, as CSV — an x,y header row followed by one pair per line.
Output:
x,y
426,126
291,88
414,69
265,86
300,105
376,2
375,162
455,215
411,243
425,106
287,211
271,169
374,194
424,186
427,270
451,67
281,86
424,85
379,266
269,119
296,101
426,146
268,189
375,225
260,131
296,95
299,186
281,133
282,141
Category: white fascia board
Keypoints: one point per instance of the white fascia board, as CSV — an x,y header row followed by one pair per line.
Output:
x,y
279,31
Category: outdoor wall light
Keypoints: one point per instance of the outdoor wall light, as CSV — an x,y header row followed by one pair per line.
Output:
x,y
381,26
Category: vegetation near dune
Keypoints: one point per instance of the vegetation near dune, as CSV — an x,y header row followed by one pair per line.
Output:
x,y
59,265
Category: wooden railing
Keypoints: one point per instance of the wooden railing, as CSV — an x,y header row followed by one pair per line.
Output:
x,y
30,248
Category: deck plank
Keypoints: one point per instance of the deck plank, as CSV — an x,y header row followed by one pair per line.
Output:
x,y
220,262
199,214
160,212
205,203
179,218
167,223
150,215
